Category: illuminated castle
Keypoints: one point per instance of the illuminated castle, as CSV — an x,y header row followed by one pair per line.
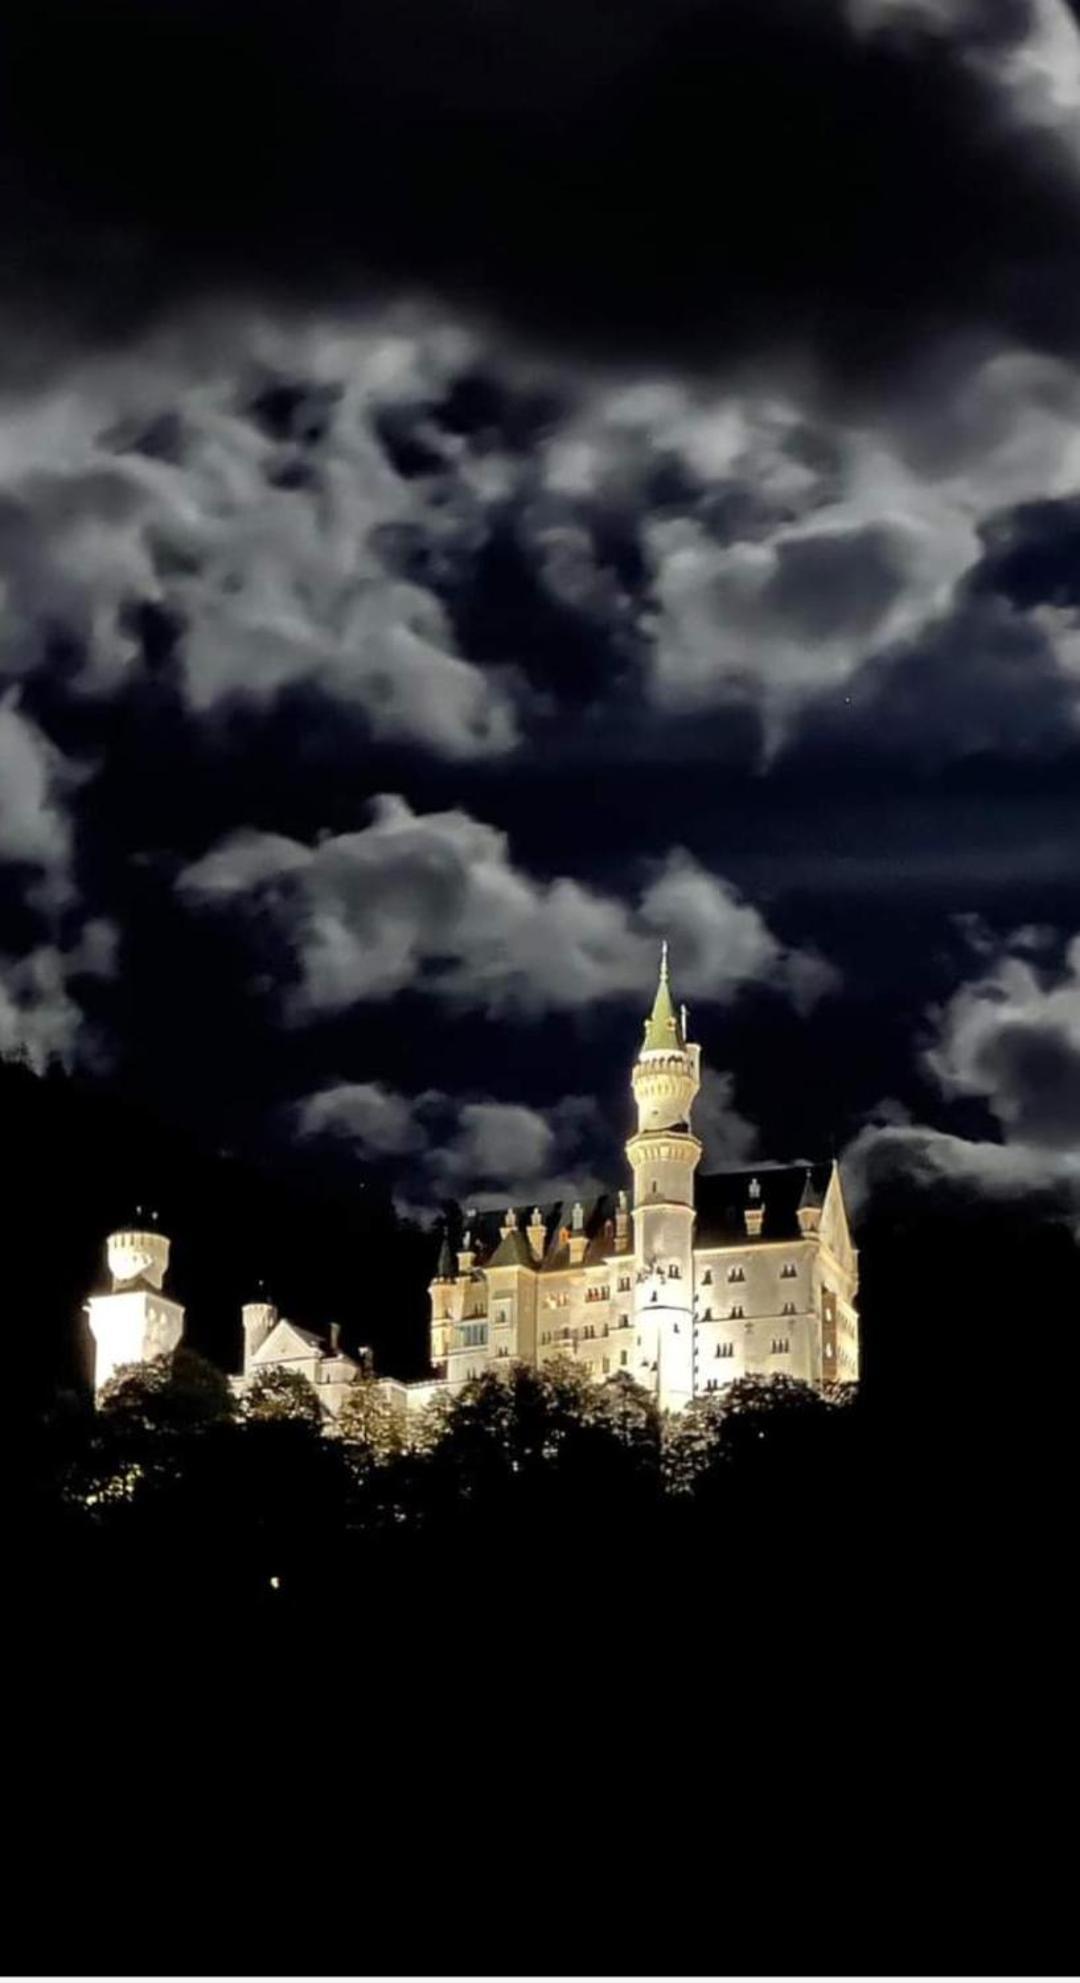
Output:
x,y
684,1284
701,1279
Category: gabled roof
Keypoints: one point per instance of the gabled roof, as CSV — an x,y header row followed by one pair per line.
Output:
x,y
513,1250
265,1354
722,1199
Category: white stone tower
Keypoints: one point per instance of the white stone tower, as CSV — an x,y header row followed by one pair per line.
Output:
x,y
136,1321
664,1155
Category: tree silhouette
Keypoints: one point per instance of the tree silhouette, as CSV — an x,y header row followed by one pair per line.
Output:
x,y
276,1394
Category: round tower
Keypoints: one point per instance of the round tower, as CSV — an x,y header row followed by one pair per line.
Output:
x,y
137,1256
135,1320
664,1154
259,1320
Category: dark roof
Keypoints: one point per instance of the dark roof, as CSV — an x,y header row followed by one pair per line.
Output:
x,y
598,1225
491,1250
513,1250
723,1197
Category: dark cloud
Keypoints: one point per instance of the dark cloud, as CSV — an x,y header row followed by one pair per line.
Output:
x,y
984,681
706,180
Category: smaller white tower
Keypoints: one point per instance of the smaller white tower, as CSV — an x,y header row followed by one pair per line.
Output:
x,y
136,1320
259,1319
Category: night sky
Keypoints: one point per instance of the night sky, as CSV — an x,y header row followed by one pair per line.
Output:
x,y
483,488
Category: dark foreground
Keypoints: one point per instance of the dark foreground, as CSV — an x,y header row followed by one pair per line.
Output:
x,y
797,1694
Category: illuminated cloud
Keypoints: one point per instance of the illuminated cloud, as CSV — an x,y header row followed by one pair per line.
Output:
x,y
433,902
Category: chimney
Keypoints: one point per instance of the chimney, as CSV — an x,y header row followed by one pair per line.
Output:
x,y
578,1240
536,1233
755,1210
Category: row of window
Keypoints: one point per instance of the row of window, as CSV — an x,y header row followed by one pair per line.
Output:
x,y
735,1275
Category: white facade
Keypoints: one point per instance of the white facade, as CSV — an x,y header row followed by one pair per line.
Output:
x,y
135,1320
273,1343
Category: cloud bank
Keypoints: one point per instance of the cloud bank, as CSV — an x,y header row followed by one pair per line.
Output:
x,y
435,904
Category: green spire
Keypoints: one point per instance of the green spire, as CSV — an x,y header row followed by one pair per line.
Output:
x,y
662,1028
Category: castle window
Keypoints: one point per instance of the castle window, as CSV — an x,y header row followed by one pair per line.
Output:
x,y
706,1278
474,1335
789,1271
673,1274
780,1345
622,1359
607,1365
788,1308
725,1349
737,1314
624,1283
736,1274
624,1321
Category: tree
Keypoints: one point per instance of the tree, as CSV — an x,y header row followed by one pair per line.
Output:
x,y
277,1394
370,1424
176,1393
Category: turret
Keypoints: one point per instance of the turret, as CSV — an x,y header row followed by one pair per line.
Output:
x,y
664,1155
443,1293
259,1319
809,1208
134,1320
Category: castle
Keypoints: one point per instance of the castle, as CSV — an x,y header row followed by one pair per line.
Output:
x,y
698,1281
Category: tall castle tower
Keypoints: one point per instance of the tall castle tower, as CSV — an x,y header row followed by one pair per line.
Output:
x,y
135,1320
664,1154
